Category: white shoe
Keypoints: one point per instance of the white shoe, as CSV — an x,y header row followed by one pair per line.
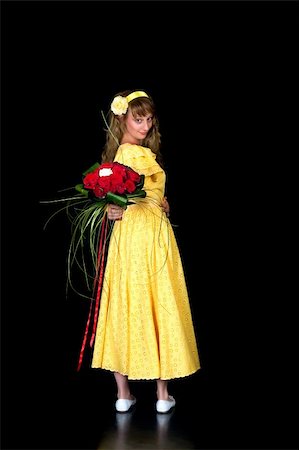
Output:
x,y
163,406
124,404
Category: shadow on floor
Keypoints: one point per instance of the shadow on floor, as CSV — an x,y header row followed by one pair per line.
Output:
x,y
134,431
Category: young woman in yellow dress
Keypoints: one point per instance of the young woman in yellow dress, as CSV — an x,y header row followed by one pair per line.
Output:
x,y
145,329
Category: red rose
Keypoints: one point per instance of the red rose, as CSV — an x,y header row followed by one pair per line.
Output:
x,y
90,180
111,177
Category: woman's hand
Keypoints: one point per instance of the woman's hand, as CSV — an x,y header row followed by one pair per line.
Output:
x,y
165,206
115,212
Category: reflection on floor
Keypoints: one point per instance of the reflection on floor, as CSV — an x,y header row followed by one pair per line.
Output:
x,y
130,432
75,411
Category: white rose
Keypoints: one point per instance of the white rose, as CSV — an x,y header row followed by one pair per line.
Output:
x,y
119,105
105,172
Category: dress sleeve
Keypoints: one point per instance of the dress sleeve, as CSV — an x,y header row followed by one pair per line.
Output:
x,y
141,159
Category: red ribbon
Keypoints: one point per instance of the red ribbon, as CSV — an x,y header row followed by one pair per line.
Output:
x,y
101,260
99,282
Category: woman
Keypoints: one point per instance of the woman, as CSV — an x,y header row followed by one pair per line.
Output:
x,y
144,329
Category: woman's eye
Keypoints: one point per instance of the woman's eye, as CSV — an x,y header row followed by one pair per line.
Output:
x,y
138,120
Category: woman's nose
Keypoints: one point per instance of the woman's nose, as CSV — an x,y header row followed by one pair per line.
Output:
x,y
146,126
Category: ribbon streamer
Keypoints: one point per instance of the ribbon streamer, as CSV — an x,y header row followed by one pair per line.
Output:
x,y
99,277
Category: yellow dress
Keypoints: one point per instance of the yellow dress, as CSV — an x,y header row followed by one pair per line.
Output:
x,y
145,328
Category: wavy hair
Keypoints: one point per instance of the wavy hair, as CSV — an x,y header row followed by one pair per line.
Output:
x,y
141,107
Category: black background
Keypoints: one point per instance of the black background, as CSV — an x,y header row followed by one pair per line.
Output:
x,y
220,74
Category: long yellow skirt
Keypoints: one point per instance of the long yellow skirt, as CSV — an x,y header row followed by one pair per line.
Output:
x,y
145,328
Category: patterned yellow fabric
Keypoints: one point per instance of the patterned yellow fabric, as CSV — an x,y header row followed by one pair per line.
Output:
x,y
145,327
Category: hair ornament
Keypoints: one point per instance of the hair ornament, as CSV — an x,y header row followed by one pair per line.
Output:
x,y
120,104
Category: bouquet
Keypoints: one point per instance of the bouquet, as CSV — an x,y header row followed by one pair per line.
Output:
x,y
87,210
112,183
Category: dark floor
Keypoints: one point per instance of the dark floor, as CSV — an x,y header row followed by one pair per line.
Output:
x,y
77,412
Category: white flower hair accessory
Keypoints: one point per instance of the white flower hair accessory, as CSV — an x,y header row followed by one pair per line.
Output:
x,y
120,104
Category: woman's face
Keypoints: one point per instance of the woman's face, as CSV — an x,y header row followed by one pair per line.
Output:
x,y
137,128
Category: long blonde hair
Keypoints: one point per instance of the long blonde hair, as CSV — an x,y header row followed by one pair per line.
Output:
x,y
140,106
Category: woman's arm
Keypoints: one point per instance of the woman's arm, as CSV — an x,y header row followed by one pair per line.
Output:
x,y
165,206
115,212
